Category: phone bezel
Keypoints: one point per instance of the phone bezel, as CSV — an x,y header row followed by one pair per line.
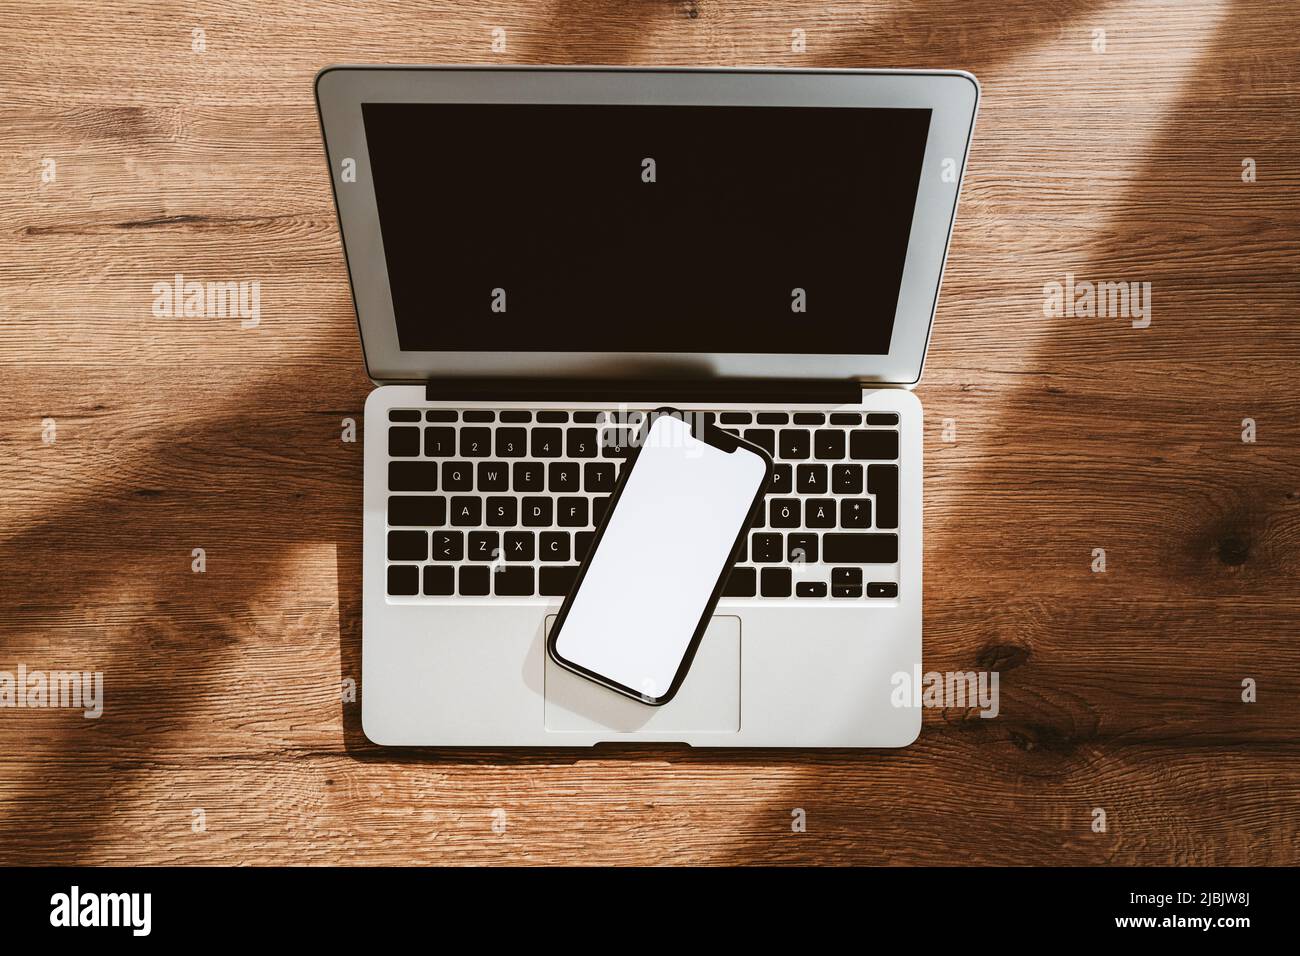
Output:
x,y
709,433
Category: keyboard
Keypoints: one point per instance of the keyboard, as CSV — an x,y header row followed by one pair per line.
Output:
x,y
504,503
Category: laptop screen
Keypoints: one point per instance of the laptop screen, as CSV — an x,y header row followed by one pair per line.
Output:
x,y
611,228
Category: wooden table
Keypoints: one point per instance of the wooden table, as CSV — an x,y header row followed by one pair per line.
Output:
x,y
1120,690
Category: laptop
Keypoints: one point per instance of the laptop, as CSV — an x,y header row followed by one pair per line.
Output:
x,y
539,256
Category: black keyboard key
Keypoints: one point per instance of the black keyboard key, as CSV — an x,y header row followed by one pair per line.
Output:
x,y
587,418
785,512
537,513
582,443
811,479
502,512
766,548
571,512
493,476
846,582
478,415
598,477
819,513
403,580
846,479
520,546
448,545
552,417
801,548
782,480
598,506
563,477
403,414
810,589
421,511
440,415
582,544
412,476
408,546
882,589
735,418
514,415
855,513
882,481
846,418
553,546
795,443
773,418
439,442
860,548
439,579
556,582
475,581
616,442
484,546
776,582
513,582
828,444
742,550
457,476
512,442
475,442
548,442
740,583
764,438
528,476
809,418
873,445
403,442
882,418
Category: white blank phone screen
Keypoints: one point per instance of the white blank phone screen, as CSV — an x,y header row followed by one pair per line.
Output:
x,y
669,538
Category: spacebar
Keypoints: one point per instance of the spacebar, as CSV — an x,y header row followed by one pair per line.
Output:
x,y
859,548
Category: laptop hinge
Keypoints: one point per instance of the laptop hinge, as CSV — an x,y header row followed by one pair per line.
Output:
x,y
806,391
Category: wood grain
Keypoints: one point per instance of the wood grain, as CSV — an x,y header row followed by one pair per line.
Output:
x,y
1119,690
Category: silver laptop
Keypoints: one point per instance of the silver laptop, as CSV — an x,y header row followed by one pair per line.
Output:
x,y
540,255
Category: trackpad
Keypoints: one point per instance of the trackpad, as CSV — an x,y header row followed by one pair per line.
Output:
x,y
708,702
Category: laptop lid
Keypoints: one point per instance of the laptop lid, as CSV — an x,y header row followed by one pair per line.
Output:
x,y
603,222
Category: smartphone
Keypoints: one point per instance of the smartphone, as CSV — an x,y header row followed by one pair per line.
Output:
x,y
688,495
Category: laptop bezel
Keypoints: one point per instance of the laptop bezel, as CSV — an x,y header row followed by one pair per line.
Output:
x,y
952,96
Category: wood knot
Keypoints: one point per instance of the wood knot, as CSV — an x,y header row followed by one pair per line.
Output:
x,y
1002,657
1234,550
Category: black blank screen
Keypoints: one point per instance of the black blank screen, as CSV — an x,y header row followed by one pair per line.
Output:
x,y
549,205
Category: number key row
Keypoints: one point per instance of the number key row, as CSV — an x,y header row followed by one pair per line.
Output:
x,y
445,441
800,444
